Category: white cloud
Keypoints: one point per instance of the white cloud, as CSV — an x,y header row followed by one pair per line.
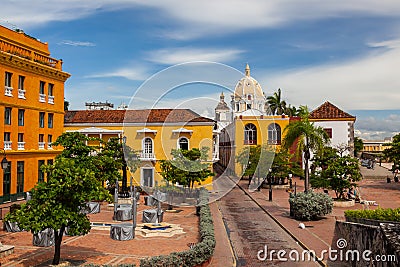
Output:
x,y
130,73
196,18
370,82
76,43
179,55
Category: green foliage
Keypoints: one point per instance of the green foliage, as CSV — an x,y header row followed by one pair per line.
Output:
x,y
307,137
187,167
310,205
392,153
378,214
256,160
74,178
358,145
200,252
276,104
336,173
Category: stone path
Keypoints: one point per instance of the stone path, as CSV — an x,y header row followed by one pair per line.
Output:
x,y
251,230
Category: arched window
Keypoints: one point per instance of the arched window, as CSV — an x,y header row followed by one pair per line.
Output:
x,y
250,134
148,148
183,143
274,134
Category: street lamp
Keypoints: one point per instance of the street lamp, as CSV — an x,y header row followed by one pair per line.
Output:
x,y
4,162
290,181
270,185
124,175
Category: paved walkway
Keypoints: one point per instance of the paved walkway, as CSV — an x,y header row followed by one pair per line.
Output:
x,y
318,235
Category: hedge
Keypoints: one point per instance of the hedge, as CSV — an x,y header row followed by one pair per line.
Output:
x,y
378,214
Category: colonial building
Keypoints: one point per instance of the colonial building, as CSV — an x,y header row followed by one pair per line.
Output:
x,y
338,124
32,104
247,122
153,132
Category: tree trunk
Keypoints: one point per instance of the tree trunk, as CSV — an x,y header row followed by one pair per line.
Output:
x,y
306,170
58,236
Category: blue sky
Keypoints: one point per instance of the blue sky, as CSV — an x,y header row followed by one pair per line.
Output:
x,y
346,52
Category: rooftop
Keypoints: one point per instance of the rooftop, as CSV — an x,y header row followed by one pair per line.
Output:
x,y
133,116
329,111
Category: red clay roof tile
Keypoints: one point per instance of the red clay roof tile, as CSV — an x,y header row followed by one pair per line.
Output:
x,y
133,116
329,111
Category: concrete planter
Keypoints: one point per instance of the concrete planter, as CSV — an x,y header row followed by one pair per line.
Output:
x,y
344,204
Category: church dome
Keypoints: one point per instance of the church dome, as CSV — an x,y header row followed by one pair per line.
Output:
x,y
248,86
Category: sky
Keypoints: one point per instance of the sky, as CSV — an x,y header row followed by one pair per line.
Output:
x,y
144,53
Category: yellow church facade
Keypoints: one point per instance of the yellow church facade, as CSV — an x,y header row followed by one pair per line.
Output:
x,y
247,122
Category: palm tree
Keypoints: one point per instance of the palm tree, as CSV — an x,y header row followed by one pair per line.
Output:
x,y
307,138
276,104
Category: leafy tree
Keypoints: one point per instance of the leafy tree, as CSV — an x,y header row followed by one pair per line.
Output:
x,y
291,111
392,153
308,138
256,160
276,104
358,145
187,166
72,180
339,174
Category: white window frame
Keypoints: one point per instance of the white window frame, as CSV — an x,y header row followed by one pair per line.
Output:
x,y
178,144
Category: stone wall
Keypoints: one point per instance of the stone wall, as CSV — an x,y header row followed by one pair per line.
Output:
x,y
356,243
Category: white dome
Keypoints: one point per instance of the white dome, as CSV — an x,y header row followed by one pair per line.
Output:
x,y
248,86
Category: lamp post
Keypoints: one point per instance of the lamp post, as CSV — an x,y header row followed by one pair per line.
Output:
x,y
124,175
270,185
290,181
4,161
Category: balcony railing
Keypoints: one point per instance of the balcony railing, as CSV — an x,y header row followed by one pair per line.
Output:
x,y
21,145
8,91
147,156
7,145
30,55
42,98
274,142
49,145
41,145
250,142
21,93
50,99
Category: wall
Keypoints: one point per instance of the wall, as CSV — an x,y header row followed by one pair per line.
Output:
x,y
380,240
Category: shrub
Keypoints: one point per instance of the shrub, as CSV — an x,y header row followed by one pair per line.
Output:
x,y
309,206
200,252
378,214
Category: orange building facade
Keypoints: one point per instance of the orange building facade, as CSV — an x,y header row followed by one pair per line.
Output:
x,y
31,108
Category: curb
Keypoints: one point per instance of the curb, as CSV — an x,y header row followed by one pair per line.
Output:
x,y
322,263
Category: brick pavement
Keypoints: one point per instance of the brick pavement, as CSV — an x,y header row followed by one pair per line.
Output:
x,y
318,235
97,247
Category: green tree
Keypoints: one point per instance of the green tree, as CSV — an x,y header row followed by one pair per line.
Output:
x,y
392,152
308,138
276,104
339,174
72,180
187,166
358,145
256,160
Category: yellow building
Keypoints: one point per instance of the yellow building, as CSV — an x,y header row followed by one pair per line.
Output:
x,y
247,122
32,104
153,132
